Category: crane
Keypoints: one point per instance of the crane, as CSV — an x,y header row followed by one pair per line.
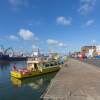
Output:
x,y
2,49
10,48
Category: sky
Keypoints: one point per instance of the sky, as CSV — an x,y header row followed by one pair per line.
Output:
x,y
59,25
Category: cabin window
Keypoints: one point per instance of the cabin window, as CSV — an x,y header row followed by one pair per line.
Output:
x,y
46,65
45,58
62,62
51,64
35,66
56,63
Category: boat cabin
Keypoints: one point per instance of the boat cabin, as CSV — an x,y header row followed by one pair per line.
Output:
x,y
36,63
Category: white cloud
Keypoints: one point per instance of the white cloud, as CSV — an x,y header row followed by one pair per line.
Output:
x,y
13,37
16,4
9,37
56,43
93,41
89,23
26,34
62,44
52,42
36,38
34,47
86,6
63,21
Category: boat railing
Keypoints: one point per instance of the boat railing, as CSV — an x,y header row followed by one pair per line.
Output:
x,y
37,59
52,64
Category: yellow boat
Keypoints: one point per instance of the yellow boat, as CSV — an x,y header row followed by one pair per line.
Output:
x,y
33,82
38,66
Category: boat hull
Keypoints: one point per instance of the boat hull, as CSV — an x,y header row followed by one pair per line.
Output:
x,y
4,59
34,73
17,58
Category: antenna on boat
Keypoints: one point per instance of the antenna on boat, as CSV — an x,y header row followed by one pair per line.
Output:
x,y
2,49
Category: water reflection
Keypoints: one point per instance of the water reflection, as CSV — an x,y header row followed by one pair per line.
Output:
x,y
26,89
35,83
4,66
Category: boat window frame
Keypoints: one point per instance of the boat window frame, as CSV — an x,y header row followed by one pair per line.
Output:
x,y
47,64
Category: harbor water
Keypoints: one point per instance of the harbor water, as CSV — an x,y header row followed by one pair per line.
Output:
x,y
26,89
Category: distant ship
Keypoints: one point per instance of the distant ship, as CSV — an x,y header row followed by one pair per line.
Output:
x,y
4,58
7,58
17,58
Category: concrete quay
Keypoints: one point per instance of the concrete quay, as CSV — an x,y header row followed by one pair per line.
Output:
x,y
76,81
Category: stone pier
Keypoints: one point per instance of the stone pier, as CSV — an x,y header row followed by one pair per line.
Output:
x,y
75,81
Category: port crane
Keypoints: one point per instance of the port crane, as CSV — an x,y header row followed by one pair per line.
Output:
x,y
5,51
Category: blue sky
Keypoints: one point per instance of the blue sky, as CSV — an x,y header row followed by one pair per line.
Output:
x,y
49,24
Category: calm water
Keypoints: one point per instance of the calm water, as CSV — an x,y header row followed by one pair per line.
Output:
x,y
26,89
